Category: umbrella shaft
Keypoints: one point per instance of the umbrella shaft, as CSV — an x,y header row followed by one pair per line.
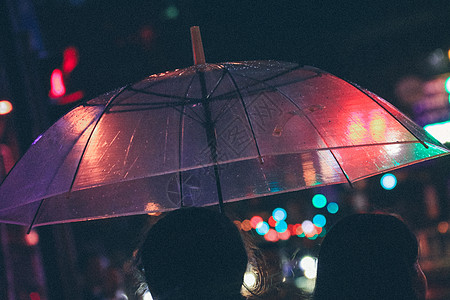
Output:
x,y
211,137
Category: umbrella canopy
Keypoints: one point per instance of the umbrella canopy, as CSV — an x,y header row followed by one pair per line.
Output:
x,y
206,134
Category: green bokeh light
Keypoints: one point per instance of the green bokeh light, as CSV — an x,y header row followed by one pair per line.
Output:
x,y
319,201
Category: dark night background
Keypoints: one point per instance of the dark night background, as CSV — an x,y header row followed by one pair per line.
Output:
x,y
372,43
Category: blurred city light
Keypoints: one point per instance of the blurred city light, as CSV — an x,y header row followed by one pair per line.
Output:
x,y
319,201
440,131
5,107
305,284
171,12
271,236
284,235
443,227
309,266
246,225
447,85
279,214
262,228
281,226
319,220
57,87
61,89
32,238
272,222
308,227
70,59
35,296
388,181
147,296
250,279
297,230
332,207
255,220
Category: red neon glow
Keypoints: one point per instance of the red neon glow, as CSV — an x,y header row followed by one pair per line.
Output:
x,y
57,88
75,96
35,296
5,107
70,59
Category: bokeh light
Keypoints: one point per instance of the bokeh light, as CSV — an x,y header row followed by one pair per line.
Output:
x,y
35,296
319,220
388,181
279,214
332,207
305,284
246,225
443,227
319,201
297,230
255,220
262,228
281,226
308,227
271,236
309,266
284,235
250,279
171,12
147,296
272,222
5,107
32,238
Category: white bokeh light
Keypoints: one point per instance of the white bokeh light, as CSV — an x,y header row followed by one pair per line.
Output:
x,y
309,266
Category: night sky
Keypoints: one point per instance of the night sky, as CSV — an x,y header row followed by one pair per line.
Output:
x,y
372,43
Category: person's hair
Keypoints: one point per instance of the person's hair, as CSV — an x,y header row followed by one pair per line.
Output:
x,y
367,256
194,253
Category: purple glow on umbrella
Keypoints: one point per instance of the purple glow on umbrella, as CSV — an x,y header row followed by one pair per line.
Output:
x,y
37,139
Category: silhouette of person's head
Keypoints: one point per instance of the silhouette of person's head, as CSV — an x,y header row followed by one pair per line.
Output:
x,y
369,256
194,253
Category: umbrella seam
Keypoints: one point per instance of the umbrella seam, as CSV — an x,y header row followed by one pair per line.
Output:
x,y
246,113
309,120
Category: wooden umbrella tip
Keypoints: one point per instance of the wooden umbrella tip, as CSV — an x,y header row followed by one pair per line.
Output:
x,y
197,46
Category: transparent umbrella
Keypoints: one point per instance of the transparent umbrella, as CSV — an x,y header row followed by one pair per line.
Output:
x,y
205,135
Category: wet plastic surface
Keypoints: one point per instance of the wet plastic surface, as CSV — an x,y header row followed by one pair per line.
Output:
x,y
268,126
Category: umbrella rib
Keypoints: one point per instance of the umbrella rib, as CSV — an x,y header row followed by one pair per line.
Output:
x,y
211,138
35,216
194,100
246,114
224,107
153,108
92,132
258,81
181,139
165,104
312,124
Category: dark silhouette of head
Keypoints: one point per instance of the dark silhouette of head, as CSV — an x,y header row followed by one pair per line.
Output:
x,y
194,253
369,256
